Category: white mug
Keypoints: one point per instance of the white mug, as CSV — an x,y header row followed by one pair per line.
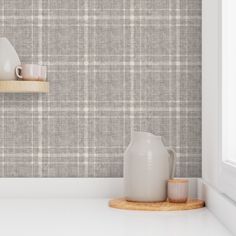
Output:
x,y
31,72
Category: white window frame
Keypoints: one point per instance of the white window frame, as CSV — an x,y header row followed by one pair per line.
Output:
x,y
216,172
227,174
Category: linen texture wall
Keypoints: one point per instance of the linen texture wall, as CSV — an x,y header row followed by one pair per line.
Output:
x,y
114,66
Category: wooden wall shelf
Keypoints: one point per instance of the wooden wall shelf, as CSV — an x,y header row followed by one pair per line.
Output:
x,y
18,86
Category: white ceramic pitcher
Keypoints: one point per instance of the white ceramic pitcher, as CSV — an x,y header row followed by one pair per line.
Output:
x,y
8,60
148,164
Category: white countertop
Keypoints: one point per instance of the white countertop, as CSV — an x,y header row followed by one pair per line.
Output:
x,y
88,217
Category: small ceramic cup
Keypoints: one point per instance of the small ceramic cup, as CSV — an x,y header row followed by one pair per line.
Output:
x,y
177,190
31,72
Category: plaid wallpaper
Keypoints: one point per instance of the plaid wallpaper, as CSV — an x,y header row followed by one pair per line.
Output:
x,y
113,66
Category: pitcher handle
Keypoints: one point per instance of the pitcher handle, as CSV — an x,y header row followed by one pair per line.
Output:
x,y
173,161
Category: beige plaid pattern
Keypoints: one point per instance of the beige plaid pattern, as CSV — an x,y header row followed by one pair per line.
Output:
x,y
114,66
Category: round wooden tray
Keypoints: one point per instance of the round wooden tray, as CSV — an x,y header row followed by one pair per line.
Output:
x,y
121,203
